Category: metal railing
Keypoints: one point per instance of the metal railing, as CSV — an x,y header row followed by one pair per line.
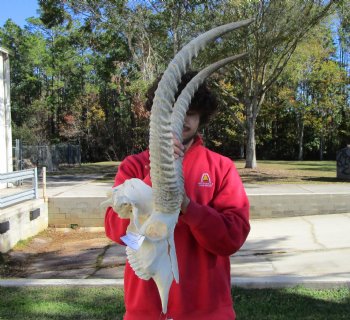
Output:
x,y
20,195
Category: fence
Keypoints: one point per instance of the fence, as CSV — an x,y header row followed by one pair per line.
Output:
x,y
49,156
20,195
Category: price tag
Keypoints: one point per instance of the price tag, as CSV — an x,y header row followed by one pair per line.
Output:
x,y
133,240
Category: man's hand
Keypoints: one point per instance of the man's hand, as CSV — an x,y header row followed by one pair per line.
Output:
x,y
179,149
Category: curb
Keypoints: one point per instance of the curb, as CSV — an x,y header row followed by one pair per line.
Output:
x,y
61,282
277,282
272,282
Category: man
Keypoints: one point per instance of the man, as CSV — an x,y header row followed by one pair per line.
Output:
x,y
213,224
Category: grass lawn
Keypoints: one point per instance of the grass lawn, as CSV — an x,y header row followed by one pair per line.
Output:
x,y
107,303
290,172
250,304
105,167
266,172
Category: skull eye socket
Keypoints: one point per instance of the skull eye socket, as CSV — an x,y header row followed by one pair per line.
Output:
x,y
156,230
124,210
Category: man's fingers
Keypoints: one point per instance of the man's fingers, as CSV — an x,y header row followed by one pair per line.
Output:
x,y
178,152
178,148
178,144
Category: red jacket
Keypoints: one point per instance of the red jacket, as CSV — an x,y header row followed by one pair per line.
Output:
x,y
215,225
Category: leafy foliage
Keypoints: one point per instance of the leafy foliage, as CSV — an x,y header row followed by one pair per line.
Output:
x,y
80,71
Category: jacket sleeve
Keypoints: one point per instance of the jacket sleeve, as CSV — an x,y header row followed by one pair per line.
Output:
x,y
222,226
115,227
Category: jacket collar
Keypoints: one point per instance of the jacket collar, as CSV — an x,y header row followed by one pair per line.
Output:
x,y
198,141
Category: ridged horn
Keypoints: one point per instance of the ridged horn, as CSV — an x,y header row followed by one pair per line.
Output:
x,y
184,99
167,196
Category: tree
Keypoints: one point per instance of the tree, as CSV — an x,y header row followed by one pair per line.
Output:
x,y
311,52
279,26
344,55
326,83
85,65
25,87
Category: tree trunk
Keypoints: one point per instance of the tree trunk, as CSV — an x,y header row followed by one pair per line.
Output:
x,y
300,126
252,107
241,149
250,161
321,147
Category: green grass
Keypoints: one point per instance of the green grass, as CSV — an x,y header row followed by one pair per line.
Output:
x,y
270,172
106,168
61,303
314,172
292,303
107,303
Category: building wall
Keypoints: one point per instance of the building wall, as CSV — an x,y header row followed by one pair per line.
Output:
x,y
5,114
22,221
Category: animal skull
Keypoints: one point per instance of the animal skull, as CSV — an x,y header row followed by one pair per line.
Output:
x,y
153,212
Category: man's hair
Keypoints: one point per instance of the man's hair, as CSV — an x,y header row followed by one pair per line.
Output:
x,y
204,101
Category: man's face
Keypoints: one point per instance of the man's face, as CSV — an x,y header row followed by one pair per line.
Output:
x,y
190,126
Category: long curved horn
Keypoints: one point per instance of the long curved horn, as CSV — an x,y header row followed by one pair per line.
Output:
x,y
167,196
183,101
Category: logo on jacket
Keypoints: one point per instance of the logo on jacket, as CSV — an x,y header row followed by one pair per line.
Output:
x,y
205,180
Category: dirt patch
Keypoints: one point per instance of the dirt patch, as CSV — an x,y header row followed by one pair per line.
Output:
x,y
269,175
53,250
276,176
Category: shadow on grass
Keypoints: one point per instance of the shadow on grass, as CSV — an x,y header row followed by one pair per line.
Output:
x,y
321,166
325,179
107,303
103,168
61,303
315,168
306,163
281,179
291,303
250,179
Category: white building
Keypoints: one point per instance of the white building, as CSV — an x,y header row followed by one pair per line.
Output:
x,y
5,113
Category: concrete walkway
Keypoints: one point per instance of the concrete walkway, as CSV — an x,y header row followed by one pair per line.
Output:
x,y
73,203
313,250
309,250
67,186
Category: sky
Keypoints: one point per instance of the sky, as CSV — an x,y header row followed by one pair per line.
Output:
x,y
18,11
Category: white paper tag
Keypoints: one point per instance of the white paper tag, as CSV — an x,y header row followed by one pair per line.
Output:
x,y
133,240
